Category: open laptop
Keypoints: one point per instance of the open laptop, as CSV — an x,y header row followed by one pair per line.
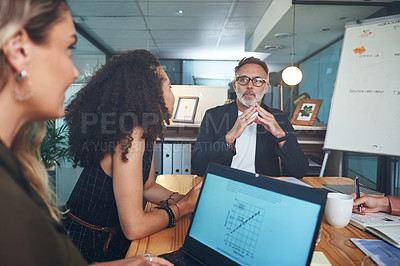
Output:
x,y
247,219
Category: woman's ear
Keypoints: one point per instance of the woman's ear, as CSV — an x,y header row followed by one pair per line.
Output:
x,y
15,50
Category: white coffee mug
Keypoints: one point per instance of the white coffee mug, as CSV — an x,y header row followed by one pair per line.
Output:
x,y
338,209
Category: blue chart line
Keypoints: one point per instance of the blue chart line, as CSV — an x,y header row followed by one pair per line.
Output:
x,y
243,225
248,219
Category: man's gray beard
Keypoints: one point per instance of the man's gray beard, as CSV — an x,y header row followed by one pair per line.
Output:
x,y
243,101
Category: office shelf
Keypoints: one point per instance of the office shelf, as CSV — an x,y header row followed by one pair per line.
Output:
x,y
310,138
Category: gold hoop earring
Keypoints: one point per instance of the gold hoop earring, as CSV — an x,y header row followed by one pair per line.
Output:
x,y
17,91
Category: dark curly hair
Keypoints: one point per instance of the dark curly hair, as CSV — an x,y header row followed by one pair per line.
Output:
x,y
125,93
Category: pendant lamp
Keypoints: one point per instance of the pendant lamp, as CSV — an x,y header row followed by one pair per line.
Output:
x,y
292,75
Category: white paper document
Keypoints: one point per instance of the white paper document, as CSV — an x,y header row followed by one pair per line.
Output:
x,y
383,225
379,218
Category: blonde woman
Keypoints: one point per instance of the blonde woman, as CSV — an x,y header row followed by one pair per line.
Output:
x,y
36,38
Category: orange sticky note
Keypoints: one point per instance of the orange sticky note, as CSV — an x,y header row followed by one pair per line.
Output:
x,y
359,50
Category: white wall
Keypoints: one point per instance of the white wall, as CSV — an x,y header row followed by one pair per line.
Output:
x,y
208,97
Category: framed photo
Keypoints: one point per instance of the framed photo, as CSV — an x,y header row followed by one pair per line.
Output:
x,y
186,109
306,112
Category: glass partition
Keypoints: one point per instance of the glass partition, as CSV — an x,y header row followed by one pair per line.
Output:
x,y
319,75
87,59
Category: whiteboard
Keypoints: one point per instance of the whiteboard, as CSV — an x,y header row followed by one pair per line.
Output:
x,y
365,108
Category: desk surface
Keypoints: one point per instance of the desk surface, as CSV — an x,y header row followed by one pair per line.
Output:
x,y
335,242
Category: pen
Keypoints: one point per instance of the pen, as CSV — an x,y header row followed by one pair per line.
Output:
x,y
357,184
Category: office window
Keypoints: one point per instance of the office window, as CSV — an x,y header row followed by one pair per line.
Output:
x,y
368,168
397,178
173,68
319,75
362,165
208,72
87,59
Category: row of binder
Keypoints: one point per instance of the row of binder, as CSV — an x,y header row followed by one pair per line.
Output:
x,y
172,158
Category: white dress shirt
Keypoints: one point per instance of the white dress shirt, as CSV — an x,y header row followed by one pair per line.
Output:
x,y
245,145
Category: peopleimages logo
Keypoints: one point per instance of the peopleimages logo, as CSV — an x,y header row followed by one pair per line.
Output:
x,y
110,123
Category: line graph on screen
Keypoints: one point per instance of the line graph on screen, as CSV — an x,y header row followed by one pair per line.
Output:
x,y
243,225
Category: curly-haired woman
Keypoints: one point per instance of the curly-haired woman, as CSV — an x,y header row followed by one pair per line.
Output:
x,y
114,121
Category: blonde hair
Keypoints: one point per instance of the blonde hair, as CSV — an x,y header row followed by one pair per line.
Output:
x,y
26,146
37,17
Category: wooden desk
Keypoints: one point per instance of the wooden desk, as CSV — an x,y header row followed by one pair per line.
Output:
x,y
169,239
335,242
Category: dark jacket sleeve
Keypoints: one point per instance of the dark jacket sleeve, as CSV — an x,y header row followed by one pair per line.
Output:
x,y
210,146
29,235
292,156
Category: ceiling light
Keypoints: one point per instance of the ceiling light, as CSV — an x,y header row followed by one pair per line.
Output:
x,y
273,47
179,12
282,35
292,75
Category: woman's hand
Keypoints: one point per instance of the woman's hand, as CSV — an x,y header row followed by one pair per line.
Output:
x,y
370,204
189,201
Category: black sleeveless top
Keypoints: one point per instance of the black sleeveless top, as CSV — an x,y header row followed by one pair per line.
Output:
x,y
92,200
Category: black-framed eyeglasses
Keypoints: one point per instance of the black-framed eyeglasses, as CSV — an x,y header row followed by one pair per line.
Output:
x,y
244,80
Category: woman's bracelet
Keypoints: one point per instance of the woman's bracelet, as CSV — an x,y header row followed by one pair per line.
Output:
x,y
231,146
171,215
167,201
179,211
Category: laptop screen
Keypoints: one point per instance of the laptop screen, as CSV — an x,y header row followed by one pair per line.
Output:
x,y
253,225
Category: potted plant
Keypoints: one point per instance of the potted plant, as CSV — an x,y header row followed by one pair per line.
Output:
x,y
54,147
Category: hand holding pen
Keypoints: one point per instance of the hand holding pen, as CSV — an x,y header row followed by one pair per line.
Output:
x,y
367,203
370,204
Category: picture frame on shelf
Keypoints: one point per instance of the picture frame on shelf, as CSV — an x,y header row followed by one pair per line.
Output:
x,y
186,110
306,112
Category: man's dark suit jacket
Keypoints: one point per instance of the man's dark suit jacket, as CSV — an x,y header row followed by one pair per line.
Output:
x,y
211,146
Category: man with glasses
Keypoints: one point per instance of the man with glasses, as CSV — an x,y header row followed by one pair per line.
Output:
x,y
247,134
